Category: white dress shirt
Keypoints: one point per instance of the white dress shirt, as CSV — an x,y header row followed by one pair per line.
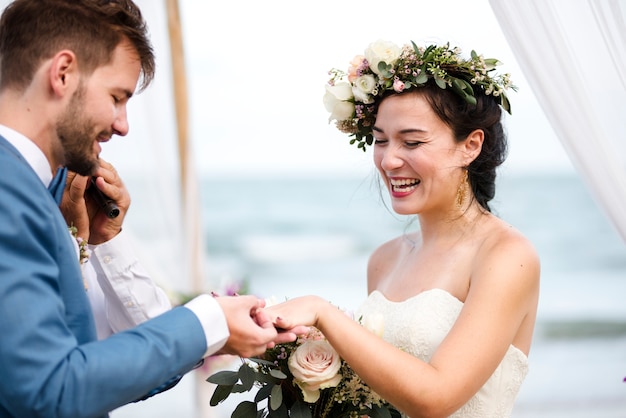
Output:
x,y
120,292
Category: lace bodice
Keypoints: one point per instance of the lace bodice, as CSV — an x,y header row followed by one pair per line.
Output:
x,y
419,324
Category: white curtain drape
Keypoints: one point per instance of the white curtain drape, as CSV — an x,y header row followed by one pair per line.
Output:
x,y
573,54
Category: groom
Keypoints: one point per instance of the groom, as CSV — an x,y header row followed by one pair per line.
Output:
x,y
67,71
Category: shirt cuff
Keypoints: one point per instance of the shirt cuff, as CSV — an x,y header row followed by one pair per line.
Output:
x,y
116,255
212,320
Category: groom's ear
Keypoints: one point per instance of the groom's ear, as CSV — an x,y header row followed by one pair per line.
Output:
x,y
63,73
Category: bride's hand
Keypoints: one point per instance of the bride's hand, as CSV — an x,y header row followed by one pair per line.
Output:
x,y
264,320
301,311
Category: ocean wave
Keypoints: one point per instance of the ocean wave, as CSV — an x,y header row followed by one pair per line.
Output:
x,y
581,329
289,248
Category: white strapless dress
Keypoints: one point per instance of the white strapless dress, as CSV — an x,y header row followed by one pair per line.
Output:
x,y
419,324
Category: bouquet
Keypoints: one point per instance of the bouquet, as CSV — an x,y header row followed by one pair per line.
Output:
x,y
302,379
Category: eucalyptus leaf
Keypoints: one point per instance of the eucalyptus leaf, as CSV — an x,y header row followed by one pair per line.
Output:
x,y
276,398
267,378
379,412
238,388
247,376
245,409
300,410
281,412
261,361
221,392
421,78
278,374
226,377
441,83
504,102
470,99
263,393
415,48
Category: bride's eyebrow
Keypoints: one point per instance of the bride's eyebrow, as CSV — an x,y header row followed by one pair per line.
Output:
x,y
402,131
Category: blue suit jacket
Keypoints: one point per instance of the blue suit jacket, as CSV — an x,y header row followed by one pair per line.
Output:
x,y
50,362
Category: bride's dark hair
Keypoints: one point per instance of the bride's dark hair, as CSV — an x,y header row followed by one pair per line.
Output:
x,y
463,118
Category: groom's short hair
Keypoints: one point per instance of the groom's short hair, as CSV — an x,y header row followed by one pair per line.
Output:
x,y
32,31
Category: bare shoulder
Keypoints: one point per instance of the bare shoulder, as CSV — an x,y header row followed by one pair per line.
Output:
x,y
385,257
385,251
506,252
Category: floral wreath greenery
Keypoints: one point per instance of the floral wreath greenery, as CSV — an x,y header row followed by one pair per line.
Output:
x,y
352,97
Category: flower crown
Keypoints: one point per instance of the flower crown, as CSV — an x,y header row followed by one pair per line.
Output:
x,y
386,67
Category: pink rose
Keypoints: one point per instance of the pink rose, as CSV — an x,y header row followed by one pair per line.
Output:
x,y
354,66
315,365
398,86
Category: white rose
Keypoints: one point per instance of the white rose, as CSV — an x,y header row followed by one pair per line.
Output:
x,y
366,83
384,51
315,365
363,87
359,96
336,101
375,323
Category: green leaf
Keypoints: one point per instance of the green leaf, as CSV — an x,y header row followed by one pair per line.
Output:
x,y
470,99
441,83
238,388
246,409
261,361
278,374
247,376
504,102
281,412
276,398
464,89
421,78
300,410
385,69
225,377
263,393
379,412
415,48
221,392
267,378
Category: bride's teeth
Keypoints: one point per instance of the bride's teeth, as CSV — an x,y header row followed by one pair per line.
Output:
x,y
404,184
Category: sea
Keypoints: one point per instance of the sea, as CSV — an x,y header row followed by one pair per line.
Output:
x,y
285,237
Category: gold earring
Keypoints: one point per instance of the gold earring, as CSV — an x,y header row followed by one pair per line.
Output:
x,y
462,190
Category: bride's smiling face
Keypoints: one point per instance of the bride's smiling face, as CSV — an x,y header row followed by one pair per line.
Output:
x,y
416,155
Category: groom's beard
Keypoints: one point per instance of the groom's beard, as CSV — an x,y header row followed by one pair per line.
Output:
x,y
77,134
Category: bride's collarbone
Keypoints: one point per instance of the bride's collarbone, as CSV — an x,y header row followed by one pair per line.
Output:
x,y
413,272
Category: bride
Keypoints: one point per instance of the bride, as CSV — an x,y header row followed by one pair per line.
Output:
x,y
458,299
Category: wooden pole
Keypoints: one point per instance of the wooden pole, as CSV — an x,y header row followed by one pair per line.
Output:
x,y
190,211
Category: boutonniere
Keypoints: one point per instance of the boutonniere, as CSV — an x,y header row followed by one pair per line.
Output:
x,y
83,251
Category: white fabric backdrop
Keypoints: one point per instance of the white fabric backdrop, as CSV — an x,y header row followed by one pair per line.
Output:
x,y
573,54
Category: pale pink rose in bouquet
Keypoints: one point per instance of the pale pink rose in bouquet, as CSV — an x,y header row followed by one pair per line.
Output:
x,y
306,378
315,365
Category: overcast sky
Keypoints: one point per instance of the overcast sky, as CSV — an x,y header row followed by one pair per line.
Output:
x,y
257,72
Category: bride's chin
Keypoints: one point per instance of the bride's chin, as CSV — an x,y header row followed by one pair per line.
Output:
x,y
404,210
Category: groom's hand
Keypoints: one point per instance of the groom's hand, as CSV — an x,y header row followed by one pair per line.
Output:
x,y
284,335
248,338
